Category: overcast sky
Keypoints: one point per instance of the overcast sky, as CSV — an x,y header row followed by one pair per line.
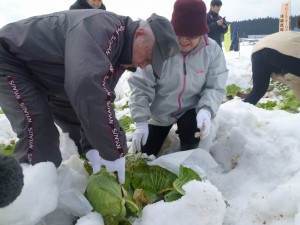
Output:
x,y
12,10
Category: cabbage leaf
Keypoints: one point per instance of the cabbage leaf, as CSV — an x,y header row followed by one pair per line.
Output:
x,y
144,184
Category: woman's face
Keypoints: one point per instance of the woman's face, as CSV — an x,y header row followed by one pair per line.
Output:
x,y
188,43
95,3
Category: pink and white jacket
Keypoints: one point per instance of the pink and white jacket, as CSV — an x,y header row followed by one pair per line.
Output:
x,y
194,80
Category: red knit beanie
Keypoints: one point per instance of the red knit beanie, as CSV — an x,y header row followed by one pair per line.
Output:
x,y
189,18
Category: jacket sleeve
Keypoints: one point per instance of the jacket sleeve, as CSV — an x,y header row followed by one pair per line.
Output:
x,y
212,25
224,30
214,90
88,75
142,84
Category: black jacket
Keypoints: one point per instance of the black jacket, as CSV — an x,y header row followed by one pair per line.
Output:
x,y
76,53
215,31
82,4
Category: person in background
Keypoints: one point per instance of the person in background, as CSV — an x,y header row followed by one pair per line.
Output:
x,y
190,90
82,65
88,4
277,53
217,25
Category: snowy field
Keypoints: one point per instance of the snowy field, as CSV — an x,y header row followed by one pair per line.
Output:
x,y
253,176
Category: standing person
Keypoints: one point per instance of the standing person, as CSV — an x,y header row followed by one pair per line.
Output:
x,y
277,53
88,4
189,91
78,56
217,25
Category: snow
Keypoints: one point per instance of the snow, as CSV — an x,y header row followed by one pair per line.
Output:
x,y
256,180
202,202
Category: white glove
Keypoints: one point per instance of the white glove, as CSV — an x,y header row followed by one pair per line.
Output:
x,y
140,136
95,159
111,166
118,165
203,122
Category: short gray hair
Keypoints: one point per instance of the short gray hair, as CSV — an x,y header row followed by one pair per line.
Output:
x,y
145,25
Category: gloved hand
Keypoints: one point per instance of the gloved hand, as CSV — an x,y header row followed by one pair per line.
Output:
x,y
95,159
140,136
111,166
203,122
118,165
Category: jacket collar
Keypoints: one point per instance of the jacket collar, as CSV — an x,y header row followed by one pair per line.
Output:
x,y
213,14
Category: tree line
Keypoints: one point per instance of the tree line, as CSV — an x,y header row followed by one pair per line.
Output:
x,y
260,26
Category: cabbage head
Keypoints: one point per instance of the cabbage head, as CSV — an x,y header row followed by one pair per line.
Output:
x,y
105,195
144,184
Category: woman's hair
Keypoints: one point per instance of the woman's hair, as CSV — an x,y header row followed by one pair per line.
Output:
x,y
216,3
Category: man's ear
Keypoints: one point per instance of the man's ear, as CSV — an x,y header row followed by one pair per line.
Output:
x,y
140,32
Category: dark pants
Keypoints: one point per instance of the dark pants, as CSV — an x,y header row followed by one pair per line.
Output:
x,y
186,129
264,63
33,115
65,117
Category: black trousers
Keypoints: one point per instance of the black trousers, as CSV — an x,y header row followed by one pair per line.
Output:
x,y
33,115
186,129
64,116
264,63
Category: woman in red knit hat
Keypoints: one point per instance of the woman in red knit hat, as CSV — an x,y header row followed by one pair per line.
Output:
x,y
189,91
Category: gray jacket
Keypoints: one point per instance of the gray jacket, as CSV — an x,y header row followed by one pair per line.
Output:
x,y
76,55
196,80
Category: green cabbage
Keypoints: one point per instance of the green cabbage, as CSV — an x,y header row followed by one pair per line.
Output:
x,y
105,195
121,204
